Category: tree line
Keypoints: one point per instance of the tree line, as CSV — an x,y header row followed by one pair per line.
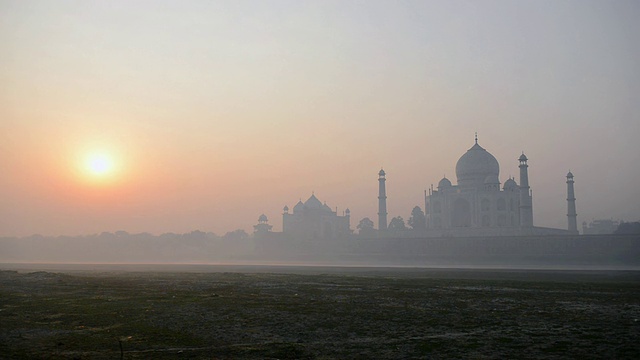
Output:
x,y
416,222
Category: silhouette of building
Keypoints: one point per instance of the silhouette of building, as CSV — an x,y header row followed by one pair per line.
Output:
x,y
600,227
477,206
263,226
315,220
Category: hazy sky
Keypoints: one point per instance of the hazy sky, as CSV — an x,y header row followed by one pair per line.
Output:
x,y
213,112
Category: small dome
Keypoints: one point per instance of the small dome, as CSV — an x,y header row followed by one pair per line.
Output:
x,y
286,208
492,179
263,218
569,175
510,184
347,211
444,183
523,157
381,173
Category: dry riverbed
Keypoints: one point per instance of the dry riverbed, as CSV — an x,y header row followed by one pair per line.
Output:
x,y
439,314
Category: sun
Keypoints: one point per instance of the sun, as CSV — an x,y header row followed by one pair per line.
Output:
x,y
99,164
94,165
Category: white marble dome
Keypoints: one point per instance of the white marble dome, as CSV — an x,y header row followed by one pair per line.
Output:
x,y
475,166
492,180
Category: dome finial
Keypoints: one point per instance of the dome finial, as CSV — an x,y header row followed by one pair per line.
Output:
x,y
476,137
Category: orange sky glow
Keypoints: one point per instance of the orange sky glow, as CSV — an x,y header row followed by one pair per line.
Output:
x,y
204,115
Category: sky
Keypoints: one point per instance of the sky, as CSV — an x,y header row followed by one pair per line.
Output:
x,y
207,114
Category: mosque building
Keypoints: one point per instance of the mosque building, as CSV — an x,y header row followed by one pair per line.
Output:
x,y
315,220
478,206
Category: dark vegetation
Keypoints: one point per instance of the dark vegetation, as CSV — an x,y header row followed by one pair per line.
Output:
x,y
392,315
626,228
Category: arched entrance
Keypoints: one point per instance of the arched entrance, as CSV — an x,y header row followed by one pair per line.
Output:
x,y
461,213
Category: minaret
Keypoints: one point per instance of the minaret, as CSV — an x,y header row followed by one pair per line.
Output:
x,y
426,210
285,213
571,206
382,202
526,213
347,215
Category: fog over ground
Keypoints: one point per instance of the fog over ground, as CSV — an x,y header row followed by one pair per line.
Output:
x,y
592,252
211,113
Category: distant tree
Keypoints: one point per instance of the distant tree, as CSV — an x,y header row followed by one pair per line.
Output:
x,y
417,220
106,235
195,239
397,224
236,235
628,228
196,234
365,227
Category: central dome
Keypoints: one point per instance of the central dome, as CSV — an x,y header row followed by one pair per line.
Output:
x,y
475,166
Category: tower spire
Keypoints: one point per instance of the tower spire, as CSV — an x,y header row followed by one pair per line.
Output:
x,y
476,137
572,223
382,201
526,211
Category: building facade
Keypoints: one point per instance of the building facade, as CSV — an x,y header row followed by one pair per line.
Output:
x,y
315,220
478,205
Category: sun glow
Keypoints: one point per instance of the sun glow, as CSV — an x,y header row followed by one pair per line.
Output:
x,y
99,164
